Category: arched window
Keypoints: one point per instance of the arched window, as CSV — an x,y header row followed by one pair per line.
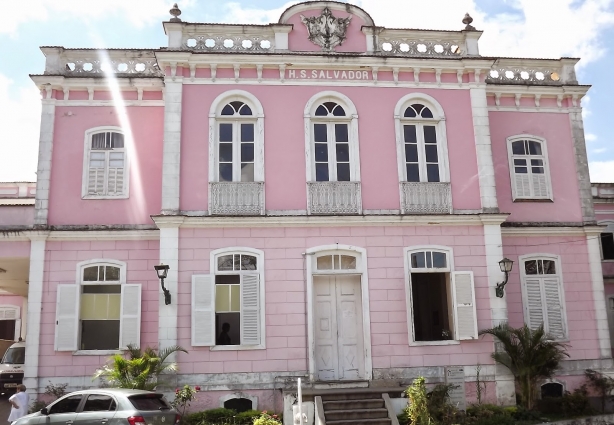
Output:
x,y
552,390
332,139
227,305
101,311
105,171
421,140
441,301
542,290
529,172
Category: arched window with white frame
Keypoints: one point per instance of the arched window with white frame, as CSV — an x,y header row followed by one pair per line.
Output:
x,y
100,312
331,139
422,155
105,169
529,169
543,293
236,154
441,301
228,303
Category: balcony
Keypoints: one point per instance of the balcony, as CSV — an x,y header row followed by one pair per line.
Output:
x,y
426,198
328,198
237,198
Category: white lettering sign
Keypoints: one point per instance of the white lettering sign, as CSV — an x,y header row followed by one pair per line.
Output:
x,y
328,74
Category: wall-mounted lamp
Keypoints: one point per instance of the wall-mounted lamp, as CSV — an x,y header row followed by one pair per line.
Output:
x,y
162,271
506,267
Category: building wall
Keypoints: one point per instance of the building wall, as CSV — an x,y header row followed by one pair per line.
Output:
x,y
16,215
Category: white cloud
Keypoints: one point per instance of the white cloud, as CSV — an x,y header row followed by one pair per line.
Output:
x,y
20,121
137,12
238,15
602,171
599,150
590,137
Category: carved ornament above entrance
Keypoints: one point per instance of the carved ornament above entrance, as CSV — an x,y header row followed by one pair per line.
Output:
x,y
325,30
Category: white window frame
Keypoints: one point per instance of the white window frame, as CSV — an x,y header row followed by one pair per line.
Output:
x,y
351,119
216,117
79,283
86,160
544,157
608,229
259,254
17,318
438,120
559,275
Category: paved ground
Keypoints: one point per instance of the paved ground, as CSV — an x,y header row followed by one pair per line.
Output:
x,y
5,409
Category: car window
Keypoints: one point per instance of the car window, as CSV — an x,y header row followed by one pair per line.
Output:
x,y
67,405
14,355
149,402
98,403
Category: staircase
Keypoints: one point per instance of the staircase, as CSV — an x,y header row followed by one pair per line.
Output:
x,y
355,408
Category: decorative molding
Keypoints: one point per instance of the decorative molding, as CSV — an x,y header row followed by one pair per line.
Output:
x,y
334,197
237,198
326,30
426,198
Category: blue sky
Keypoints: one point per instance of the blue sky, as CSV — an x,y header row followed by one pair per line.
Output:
x,y
527,28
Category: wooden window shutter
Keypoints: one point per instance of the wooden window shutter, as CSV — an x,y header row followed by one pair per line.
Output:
x,y
465,317
540,185
96,173
130,325
555,323
250,309
534,303
203,310
522,184
116,170
67,317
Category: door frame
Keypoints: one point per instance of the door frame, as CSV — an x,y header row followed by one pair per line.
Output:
x,y
361,270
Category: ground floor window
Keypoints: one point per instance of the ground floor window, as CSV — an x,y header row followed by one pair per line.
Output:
x,y
228,310
100,317
432,306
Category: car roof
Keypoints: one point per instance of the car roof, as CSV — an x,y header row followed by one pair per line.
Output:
x,y
119,391
18,344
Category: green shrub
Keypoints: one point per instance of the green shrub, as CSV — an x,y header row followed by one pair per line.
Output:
x,y
576,403
210,416
247,417
403,418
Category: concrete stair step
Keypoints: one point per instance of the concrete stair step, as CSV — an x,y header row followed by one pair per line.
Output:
x,y
343,396
373,403
360,422
345,415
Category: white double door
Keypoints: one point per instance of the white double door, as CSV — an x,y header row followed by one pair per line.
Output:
x,y
339,342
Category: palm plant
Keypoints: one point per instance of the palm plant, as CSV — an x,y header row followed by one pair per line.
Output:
x,y
141,370
530,355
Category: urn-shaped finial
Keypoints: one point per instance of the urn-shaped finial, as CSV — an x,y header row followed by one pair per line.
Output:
x,y
467,20
175,12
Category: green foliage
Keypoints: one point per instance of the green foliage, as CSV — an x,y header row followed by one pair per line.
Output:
x,y
417,409
247,417
266,419
183,398
54,391
440,409
603,385
530,355
141,370
222,416
570,405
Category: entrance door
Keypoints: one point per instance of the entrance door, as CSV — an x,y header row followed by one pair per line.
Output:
x,y
339,345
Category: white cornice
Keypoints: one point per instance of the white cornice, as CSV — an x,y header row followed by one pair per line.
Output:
x,y
109,103
551,231
528,109
104,235
293,221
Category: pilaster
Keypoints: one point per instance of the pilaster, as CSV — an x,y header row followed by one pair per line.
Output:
x,y
172,144
481,129
45,150
34,310
584,180
601,315
169,254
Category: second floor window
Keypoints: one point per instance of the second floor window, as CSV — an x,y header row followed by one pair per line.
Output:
x,y
529,168
331,143
236,143
607,245
423,155
105,165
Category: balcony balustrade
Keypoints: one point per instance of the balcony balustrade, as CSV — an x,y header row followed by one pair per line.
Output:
x,y
329,198
426,198
237,198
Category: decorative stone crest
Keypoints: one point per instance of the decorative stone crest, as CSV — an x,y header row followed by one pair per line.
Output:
x,y
325,30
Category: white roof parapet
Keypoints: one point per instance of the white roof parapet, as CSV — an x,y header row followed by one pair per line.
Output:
x,y
553,72
97,62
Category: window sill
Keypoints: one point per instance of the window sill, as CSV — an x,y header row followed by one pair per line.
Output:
x,y
236,347
423,343
86,197
96,352
607,260
548,200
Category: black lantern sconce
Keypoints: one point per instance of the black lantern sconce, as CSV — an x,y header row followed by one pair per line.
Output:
x,y
162,271
506,267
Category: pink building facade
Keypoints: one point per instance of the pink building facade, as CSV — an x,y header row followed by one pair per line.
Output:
x,y
332,206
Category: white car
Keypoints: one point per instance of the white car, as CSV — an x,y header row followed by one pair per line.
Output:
x,y
11,367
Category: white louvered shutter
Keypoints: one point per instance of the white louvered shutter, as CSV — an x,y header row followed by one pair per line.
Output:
x,y
67,317
115,180
250,309
522,183
540,185
130,325
465,318
17,329
96,173
10,314
555,323
534,303
203,310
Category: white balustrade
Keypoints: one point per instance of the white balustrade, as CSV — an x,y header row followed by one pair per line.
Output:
x,y
237,198
527,76
404,47
334,198
230,43
91,62
426,198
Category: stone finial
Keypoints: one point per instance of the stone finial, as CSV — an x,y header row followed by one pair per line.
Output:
x,y
175,12
467,20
